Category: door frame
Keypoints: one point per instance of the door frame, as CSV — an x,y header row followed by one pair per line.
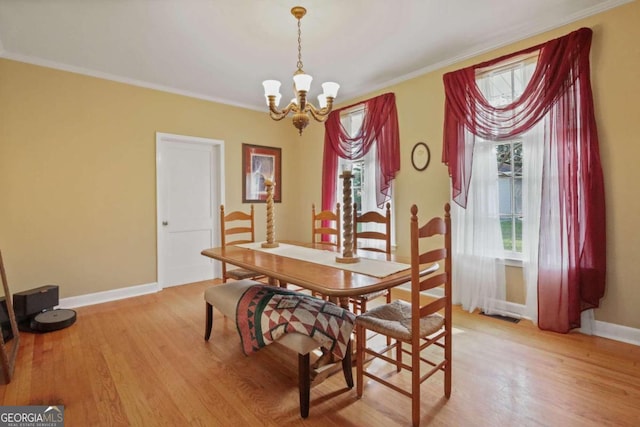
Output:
x,y
217,185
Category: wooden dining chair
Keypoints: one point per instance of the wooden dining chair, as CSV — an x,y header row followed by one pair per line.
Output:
x,y
362,230
421,323
236,228
321,226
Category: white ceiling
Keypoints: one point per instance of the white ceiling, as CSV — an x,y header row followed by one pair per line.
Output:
x,y
222,50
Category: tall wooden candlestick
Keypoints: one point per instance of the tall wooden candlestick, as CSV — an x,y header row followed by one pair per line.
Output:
x,y
271,229
347,221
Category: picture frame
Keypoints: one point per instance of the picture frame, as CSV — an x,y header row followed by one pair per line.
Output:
x,y
420,156
260,163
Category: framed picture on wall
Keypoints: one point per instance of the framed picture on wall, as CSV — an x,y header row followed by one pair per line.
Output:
x,y
259,164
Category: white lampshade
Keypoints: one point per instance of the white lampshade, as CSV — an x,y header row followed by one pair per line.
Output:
x,y
271,87
330,89
322,100
302,82
294,101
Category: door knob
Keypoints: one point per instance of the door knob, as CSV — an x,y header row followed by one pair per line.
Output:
x,y
165,223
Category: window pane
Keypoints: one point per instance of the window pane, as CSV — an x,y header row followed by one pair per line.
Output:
x,y
507,234
504,193
517,196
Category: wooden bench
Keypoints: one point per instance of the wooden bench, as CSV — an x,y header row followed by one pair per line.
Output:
x,y
225,298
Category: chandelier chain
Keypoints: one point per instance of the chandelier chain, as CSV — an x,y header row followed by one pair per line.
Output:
x,y
299,46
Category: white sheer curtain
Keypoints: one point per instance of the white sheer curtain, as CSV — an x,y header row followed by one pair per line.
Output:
x,y
533,152
478,267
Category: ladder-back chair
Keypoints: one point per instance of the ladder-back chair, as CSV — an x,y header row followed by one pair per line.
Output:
x,y
362,230
424,322
321,225
236,228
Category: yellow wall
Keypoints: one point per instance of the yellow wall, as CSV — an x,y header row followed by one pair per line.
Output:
x,y
77,174
77,166
615,78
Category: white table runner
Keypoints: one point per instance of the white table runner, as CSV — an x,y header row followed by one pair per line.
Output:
x,y
372,267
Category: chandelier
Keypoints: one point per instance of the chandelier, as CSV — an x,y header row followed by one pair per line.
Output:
x,y
299,105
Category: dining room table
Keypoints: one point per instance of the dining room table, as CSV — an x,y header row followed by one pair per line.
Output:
x,y
314,267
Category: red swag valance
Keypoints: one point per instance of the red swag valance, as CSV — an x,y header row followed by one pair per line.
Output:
x,y
380,124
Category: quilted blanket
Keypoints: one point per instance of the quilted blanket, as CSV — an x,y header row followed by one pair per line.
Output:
x,y
264,313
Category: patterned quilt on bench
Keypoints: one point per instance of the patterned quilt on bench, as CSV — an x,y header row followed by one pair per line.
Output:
x,y
264,313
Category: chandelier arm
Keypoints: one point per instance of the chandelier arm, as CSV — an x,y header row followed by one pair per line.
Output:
x,y
321,114
279,115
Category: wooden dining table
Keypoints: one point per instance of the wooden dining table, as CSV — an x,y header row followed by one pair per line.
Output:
x,y
332,281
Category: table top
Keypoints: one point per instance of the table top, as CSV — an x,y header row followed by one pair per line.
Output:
x,y
330,281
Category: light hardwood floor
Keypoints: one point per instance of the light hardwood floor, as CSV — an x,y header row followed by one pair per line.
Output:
x,y
143,362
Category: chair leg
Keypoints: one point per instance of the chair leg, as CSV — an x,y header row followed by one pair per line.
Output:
x,y
360,346
347,369
209,324
388,302
447,368
304,383
398,355
415,383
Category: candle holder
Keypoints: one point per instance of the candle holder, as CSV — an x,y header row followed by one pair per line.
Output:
x,y
347,221
270,243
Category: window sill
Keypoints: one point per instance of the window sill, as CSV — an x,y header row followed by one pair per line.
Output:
x,y
512,262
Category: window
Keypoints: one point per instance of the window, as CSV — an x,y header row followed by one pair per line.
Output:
x,y
363,171
501,86
564,239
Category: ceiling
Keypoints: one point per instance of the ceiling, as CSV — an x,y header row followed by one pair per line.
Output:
x,y
222,50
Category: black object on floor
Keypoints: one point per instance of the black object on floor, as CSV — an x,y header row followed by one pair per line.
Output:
x,y
50,320
501,317
27,304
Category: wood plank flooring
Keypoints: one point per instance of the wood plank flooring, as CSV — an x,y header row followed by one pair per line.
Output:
x,y
143,362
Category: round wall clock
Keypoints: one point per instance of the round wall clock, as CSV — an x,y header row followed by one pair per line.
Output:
x,y
420,156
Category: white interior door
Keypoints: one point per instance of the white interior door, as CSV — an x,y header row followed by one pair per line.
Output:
x,y
189,176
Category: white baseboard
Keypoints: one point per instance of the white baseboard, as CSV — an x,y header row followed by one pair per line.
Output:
x,y
617,332
599,328
106,296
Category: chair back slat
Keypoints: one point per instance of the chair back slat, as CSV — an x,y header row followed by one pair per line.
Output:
x,y
327,230
432,256
372,216
238,216
432,227
433,306
238,242
238,230
372,235
433,282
